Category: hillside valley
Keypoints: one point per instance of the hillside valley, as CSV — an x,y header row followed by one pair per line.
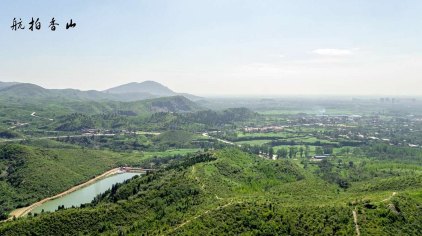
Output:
x,y
280,166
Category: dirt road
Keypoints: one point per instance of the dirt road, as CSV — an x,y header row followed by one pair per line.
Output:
x,y
25,210
355,220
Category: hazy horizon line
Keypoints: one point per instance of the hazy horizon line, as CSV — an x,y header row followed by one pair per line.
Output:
x,y
245,95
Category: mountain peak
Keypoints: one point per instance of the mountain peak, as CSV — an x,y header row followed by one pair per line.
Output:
x,y
148,87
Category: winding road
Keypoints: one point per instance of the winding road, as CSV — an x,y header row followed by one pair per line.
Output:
x,y
221,140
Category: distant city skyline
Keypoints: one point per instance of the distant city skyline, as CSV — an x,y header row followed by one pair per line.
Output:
x,y
220,47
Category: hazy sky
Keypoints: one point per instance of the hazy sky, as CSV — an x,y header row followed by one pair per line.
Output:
x,y
219,46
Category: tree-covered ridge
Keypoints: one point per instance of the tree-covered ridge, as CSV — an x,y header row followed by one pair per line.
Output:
x,y
155,118
232,192
69,115
272,218
127,92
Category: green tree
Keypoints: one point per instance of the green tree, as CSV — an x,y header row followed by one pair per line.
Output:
x,y
301,150
292,151
270,152
307,151
281,153
319,151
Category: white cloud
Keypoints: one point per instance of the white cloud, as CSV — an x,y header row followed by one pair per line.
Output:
x,y
333,52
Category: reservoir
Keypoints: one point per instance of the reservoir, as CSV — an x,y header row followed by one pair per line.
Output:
x,y
85,194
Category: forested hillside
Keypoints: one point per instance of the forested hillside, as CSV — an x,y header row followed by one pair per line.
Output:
x,y
231,192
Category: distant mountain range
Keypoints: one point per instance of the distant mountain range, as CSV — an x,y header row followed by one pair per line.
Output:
x,y
146,89
127,92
